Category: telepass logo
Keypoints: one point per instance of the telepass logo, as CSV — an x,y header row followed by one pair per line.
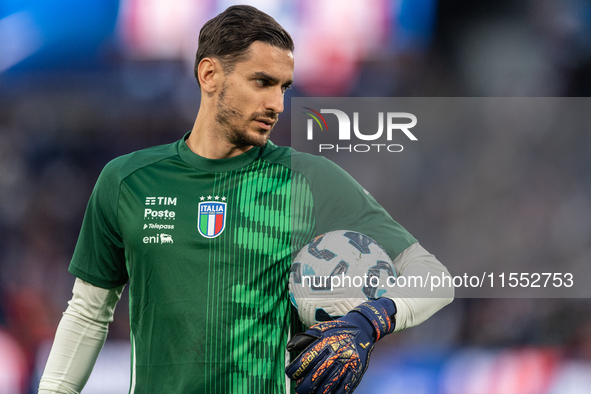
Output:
x,y
394,123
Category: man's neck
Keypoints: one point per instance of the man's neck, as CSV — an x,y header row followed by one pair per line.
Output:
x,y
206,142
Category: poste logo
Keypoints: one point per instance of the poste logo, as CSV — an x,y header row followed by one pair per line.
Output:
x,y
393,124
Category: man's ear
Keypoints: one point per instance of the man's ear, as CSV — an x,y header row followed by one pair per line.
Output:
x,y
208,71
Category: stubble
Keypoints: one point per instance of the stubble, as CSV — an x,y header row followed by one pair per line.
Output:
x,y
234,124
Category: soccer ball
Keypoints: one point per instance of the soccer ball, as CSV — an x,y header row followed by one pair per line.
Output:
x,y
336,272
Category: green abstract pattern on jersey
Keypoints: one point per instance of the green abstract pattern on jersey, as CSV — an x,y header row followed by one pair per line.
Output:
x,y
206,247
260,242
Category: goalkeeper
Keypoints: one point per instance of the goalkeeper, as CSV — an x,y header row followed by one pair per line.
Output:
x,y
203,230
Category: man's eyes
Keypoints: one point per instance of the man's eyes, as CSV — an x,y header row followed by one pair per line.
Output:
x,y
265,82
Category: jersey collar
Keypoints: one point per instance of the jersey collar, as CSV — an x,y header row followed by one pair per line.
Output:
x,y
217,165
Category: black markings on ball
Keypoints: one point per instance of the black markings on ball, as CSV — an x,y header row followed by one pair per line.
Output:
x,y
323,254
360,241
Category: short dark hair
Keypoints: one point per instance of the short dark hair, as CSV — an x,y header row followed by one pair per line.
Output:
x,y
228,36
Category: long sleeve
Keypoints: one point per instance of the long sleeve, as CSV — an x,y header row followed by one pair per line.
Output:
x,y
79,338
416,304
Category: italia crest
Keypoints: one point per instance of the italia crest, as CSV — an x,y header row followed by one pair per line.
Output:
x,y
212,217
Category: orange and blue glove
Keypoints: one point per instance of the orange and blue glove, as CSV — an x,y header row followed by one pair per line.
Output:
x,y
335,354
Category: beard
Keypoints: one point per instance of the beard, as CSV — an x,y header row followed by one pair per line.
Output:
x,y
235,125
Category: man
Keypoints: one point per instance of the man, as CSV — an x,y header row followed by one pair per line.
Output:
x,y
204,229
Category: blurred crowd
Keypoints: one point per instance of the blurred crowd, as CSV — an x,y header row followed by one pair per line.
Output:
x,y
58,128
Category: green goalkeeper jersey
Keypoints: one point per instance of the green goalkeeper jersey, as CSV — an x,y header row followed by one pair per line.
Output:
x,y
206,246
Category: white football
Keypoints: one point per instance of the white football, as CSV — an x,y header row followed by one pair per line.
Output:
x,y
336,272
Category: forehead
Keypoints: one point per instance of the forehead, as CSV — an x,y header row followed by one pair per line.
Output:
x,y
263,57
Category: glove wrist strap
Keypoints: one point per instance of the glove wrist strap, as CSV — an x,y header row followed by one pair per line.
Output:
x,y
380,314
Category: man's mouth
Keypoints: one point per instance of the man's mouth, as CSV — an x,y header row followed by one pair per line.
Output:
x,y
265,123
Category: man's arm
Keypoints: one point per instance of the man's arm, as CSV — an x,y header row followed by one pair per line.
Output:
x,y
334,355
79,338
415,304
341,203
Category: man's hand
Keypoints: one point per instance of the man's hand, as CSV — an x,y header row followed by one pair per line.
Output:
x,y
336,353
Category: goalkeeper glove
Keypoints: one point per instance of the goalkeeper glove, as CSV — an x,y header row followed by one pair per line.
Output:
x,y
336,353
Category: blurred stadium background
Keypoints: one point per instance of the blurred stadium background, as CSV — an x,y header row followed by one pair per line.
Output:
x,y
83,82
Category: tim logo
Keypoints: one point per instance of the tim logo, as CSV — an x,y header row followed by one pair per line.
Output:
x,y
212,218
394,122
160,200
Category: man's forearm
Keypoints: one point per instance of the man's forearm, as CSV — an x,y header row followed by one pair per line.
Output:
x,y
415,304
75,349
79,339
